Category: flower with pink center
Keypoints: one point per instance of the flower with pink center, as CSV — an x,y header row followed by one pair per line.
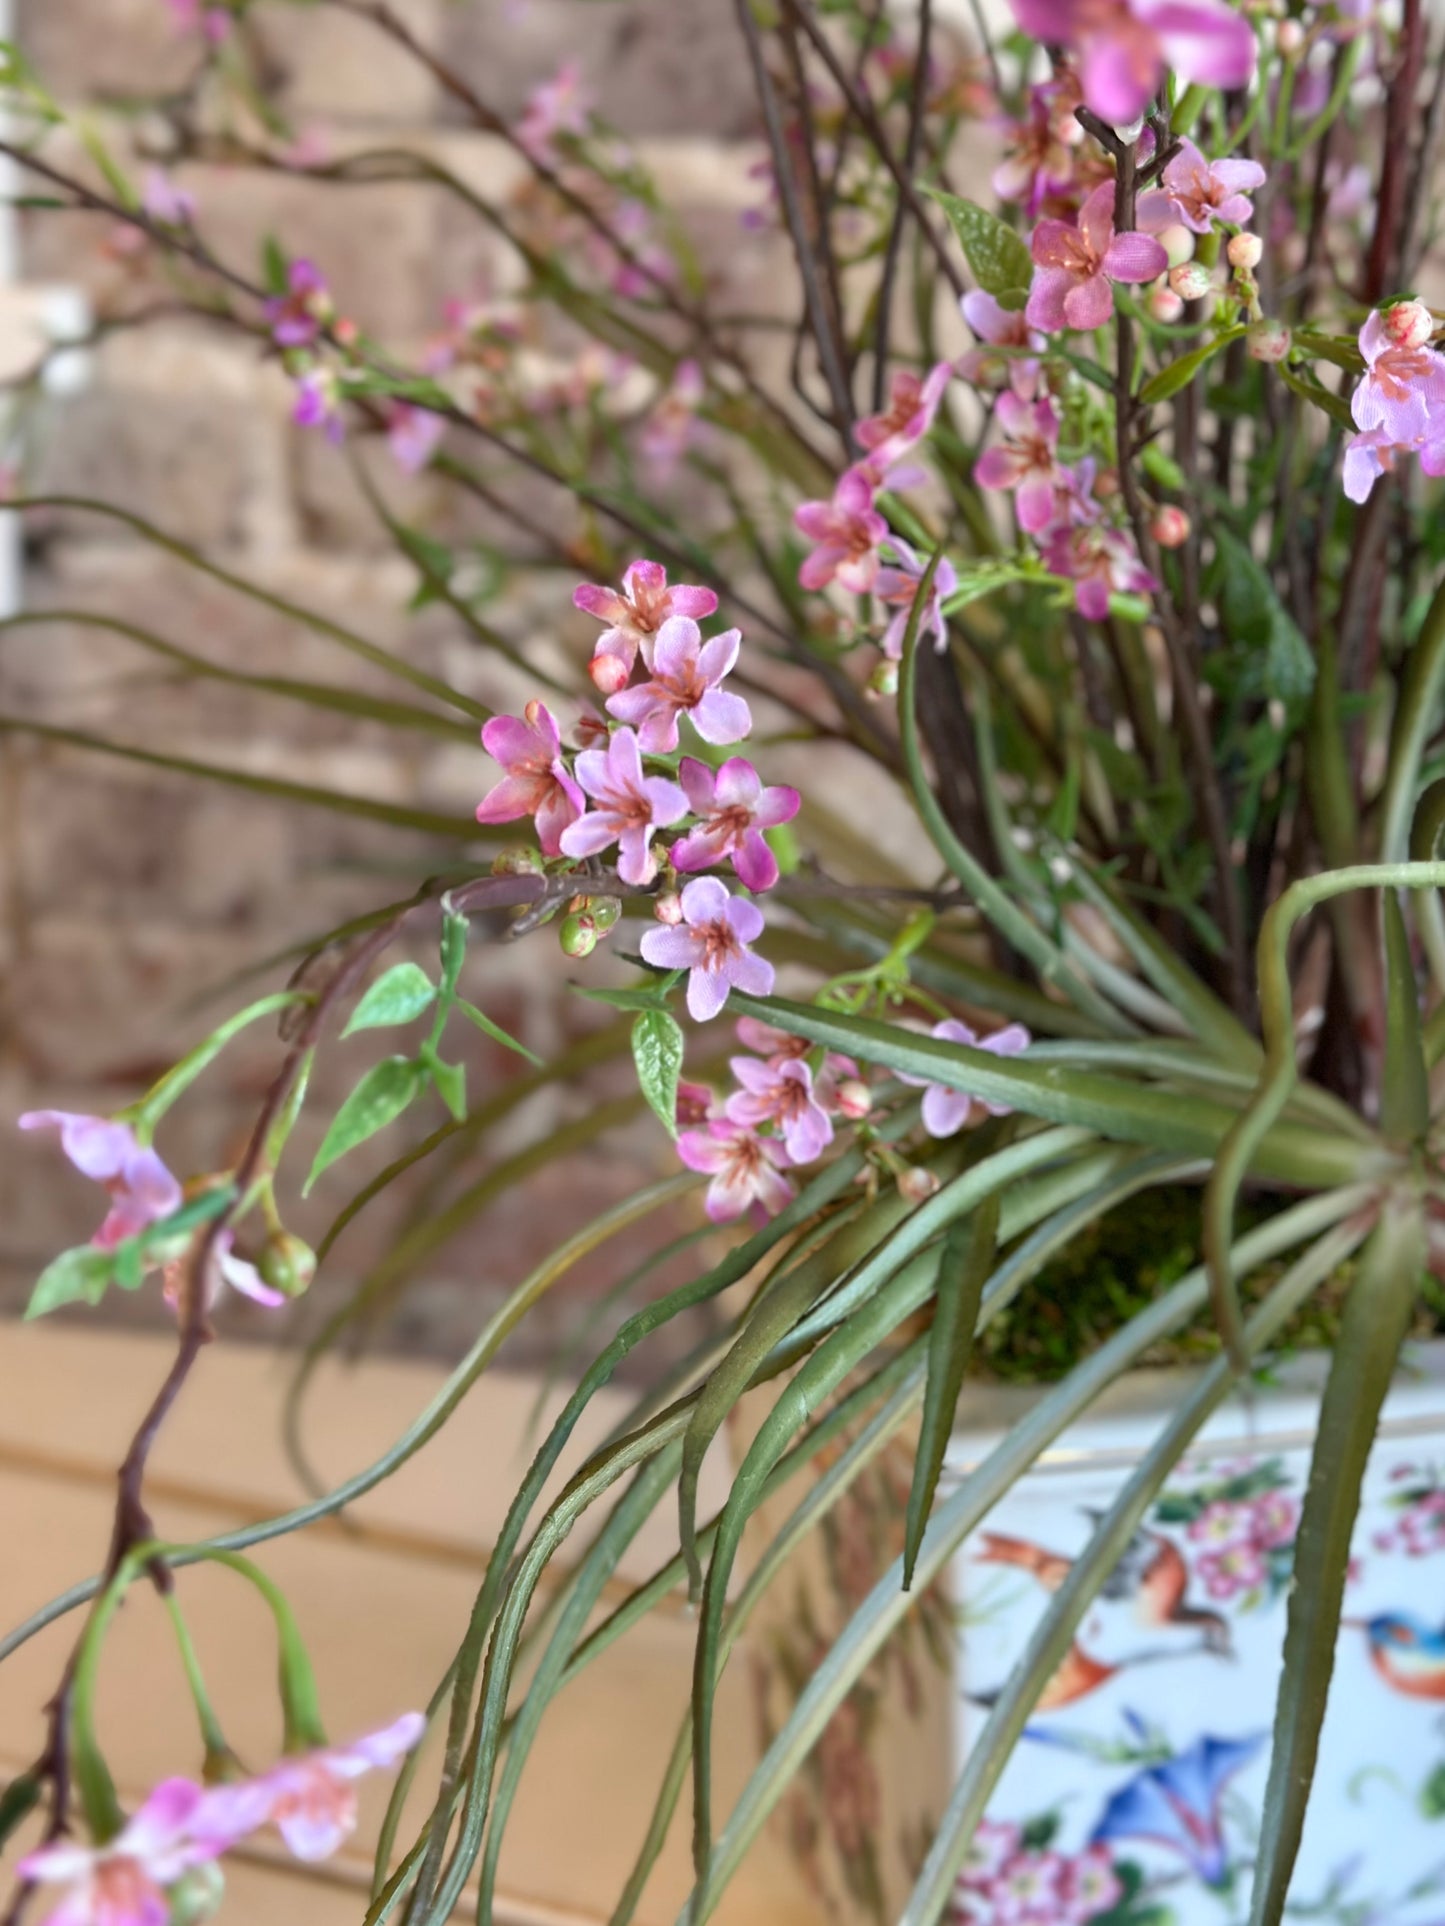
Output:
x,y
695,1103
746,1169
1041,149
711,943
897,588
913,401
224,1271
163,201
735,809
1236,1568
413,434
192,16
1000,327
1200,192
778,1046
298,316
1029,1889
125,1881
1100,561
628,807
1274,1519
672,426
1074,266
537,782
993,1845
561,105
633,618
310,1798
1090,1886
687,677
1125,47
945,1109
1027,461
142,1191
1403,390
845,532
1219,1524
317,404
781,1093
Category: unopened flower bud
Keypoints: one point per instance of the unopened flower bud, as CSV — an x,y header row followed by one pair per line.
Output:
x,y
520,861
916,1185
197,1894
346,333
1191,281
1268,341
855,1099
884,680
287,1264
1164,304
1170,526
1178,242
1409,324
1245,251
1289,37
605,912
694,1103
609,672
578,936
667,908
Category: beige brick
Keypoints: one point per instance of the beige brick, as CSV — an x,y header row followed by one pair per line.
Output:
x,y
331,67
136,50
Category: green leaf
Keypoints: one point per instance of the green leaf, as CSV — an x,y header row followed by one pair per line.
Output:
x,y
657,1049
273,265
649,999
450,1080
495,1031
999,257
1432,1796
398,997
1308,388
78,1276
983,577
1179,373
1405,1086
379,1099
17,1802
968,1255
1255,617
455,930
1376,1317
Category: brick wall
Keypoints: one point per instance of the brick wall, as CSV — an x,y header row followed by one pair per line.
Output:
x,y
133,896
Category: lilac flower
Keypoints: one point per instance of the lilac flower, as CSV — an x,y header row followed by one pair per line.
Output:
x,y
780,1046
142,1190
1200,192
1177,1804
746,1169
897,586
946,1110
912,405
1100,561
191,16
1403,390
536,784
310,1798
164,201
735,810
672,426
999,327
225,1271
781,1093
124,1882
846,532
298,316
1125,47
634,617
1040,153
413,435
630,806
1073,266
1028,460
318,404
687,678
561,105
711,943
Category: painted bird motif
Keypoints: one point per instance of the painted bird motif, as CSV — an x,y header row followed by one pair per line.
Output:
x,y
1408,1655
1152,1573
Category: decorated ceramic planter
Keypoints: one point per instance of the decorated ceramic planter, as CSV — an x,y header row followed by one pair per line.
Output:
x,y
1134,1797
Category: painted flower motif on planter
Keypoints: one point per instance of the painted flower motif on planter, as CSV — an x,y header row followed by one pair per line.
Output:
x,y
1418,1507
1239,1532
711,944
1178,1805
537,782
1014,1876
746,1169
142,1191
946,1109
734,809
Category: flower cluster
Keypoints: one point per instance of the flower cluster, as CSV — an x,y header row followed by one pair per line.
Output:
x,y
1399,405
1240,1544
1006,1882
180,1831
1124,48
1419,1528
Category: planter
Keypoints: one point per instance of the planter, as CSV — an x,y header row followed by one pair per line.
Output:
x,y
1134,1797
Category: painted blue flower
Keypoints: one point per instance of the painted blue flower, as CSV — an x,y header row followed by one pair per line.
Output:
x,y
1177,1804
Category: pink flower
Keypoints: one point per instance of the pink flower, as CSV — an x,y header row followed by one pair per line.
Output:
x,y
735,810
1027,461
562,105
1219,1524
1238,1568
711,943
1073,266
672,426
1000,327
1040,152
1029,1889
536,783
1126,46
946,1110
1199,192
781,1093
993,1845
1100,561
318,404
225,1271
413,435
1403,390
166,202
630,806
897,586
846,532
779,1046
310,1799
1090,1885
1275,1519
298,316
687,677
695,1103
912,405
124,1882
142,1190
634,617
746,1169
192,17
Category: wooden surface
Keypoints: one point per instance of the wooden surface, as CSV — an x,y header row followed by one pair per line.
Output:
x,y
383,1608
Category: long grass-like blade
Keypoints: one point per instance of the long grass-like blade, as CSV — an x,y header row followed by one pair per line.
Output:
x,y
1405,1082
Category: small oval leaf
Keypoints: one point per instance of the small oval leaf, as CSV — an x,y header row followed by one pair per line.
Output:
x,y
75,1277
999,258
657,1047
398,997
1179,373
450,1080
379,1099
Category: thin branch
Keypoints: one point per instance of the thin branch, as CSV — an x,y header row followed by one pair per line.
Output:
x,y
918,101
